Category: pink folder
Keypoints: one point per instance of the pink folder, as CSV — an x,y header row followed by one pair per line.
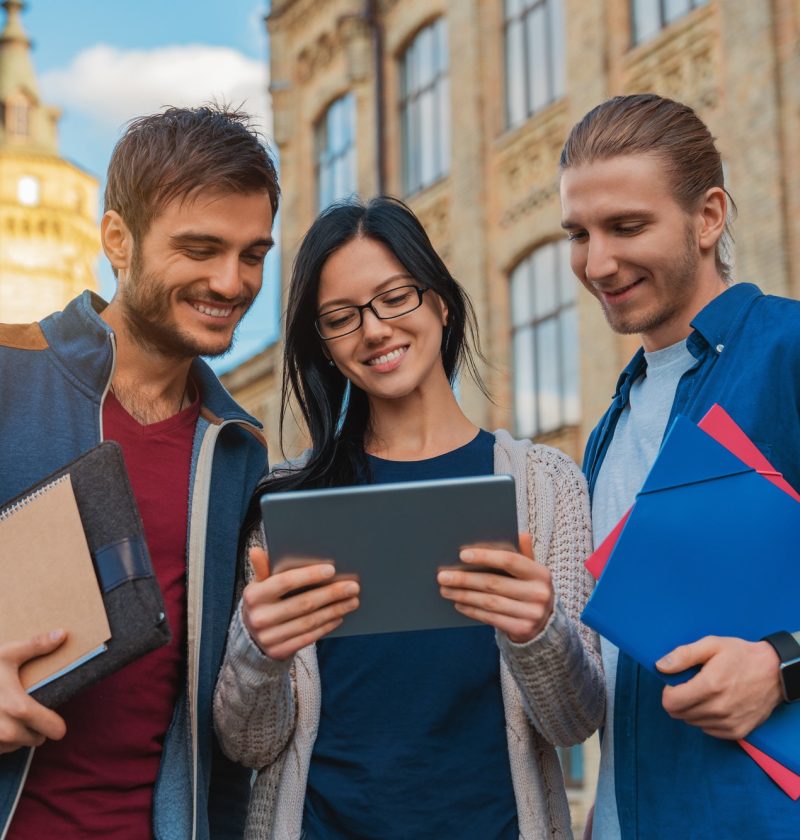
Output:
x,y
720,425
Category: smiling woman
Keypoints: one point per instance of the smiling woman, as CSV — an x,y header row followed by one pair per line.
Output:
x,y
436,729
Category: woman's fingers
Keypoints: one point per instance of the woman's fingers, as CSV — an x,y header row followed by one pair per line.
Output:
x,y
519,630
496,584
508,590
283,611
293,608
512,563
259,560
285,650
528,608
283,640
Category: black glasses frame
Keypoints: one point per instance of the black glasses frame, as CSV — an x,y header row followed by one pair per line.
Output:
x,y
369,305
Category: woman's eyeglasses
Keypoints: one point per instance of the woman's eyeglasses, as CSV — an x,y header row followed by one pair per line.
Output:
x,y
387,305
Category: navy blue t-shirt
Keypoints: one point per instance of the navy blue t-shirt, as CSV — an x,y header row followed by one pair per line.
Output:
x,y
412,739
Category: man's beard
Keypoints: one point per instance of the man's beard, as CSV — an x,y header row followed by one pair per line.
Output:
x,y
682,273
146,309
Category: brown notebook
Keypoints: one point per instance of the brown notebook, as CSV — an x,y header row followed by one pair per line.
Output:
x,y
49,581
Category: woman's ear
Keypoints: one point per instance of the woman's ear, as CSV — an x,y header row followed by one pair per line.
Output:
x,y
326,354
443,310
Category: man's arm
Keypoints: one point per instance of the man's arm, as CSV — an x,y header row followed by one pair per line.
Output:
x,y
738,687
23,721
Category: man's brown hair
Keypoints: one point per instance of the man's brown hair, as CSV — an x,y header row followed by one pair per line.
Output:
x,y
649,124
183,151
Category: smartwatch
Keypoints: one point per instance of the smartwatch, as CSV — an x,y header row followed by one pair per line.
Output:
x,y
787,647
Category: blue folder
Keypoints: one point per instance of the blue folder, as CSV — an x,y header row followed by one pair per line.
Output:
x,y
710,548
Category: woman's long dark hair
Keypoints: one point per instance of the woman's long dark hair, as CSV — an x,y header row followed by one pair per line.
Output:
x,y
337,416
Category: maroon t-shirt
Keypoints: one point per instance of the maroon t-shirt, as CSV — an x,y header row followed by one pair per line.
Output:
x,y
98,781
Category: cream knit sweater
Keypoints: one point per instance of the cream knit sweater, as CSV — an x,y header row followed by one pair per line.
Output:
x,y
266,712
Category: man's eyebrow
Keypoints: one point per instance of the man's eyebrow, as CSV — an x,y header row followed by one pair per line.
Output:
x,y
209,239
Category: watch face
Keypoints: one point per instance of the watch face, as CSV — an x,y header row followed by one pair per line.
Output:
x,y
790,673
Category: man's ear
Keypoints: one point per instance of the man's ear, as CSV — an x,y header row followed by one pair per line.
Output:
x,y
713,213
117,240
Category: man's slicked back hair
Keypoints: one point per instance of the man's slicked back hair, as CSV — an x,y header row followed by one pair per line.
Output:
x,y
180,152
645,123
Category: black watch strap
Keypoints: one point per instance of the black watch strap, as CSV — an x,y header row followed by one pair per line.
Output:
x,y
786,645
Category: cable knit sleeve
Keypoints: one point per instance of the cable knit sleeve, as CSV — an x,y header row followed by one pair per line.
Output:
x,y
254,705
559,673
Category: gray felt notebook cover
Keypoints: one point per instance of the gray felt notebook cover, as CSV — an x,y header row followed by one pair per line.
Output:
x,y
115,537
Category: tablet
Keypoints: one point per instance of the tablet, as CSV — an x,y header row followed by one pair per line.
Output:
x,y
394,537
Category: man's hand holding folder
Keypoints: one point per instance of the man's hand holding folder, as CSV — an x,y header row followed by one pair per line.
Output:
x,y
23,721
732,592
737,689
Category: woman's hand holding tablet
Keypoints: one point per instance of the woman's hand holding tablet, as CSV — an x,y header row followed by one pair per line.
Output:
x,y
518,599
282,620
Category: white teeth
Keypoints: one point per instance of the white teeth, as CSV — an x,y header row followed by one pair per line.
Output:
x,y
381,360
213,310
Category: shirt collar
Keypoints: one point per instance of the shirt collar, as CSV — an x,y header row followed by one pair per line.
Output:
x,y
719,318
712,326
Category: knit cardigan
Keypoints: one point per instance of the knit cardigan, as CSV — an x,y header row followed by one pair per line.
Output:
x,y
266,712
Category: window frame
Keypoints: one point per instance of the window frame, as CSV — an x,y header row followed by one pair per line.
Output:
x,y
327,160
553,64
533,321
665,19
414,93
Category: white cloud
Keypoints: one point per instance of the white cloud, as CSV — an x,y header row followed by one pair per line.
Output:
x,y
112,85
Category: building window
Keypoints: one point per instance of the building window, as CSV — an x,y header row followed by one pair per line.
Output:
x,y
545,342
335,142
534,56
651,16
425,108
18,118
572,765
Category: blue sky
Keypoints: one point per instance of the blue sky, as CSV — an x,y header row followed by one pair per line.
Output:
x,y
104,63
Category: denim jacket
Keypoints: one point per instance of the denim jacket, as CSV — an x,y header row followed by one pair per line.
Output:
x,y
671,779
54,376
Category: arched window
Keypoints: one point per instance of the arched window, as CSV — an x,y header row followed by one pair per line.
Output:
x,y
335,151
425,108
534,57
649,17
545,342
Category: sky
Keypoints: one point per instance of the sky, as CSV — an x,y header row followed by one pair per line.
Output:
x,y
104,63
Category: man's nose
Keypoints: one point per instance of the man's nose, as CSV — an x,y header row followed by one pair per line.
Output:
x,y
226,279
600,258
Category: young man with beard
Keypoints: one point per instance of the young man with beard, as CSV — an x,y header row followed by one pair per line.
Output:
x,y
189,204
645,209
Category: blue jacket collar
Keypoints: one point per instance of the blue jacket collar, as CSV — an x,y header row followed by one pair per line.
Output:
x,y
712,325
81,340
720,318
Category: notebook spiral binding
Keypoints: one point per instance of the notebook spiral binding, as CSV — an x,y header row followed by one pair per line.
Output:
x,y
6,513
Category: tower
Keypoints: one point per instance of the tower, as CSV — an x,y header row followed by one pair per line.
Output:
x,y
48,205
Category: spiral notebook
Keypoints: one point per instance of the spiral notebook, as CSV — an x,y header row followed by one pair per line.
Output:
x,y
73,556
49,582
